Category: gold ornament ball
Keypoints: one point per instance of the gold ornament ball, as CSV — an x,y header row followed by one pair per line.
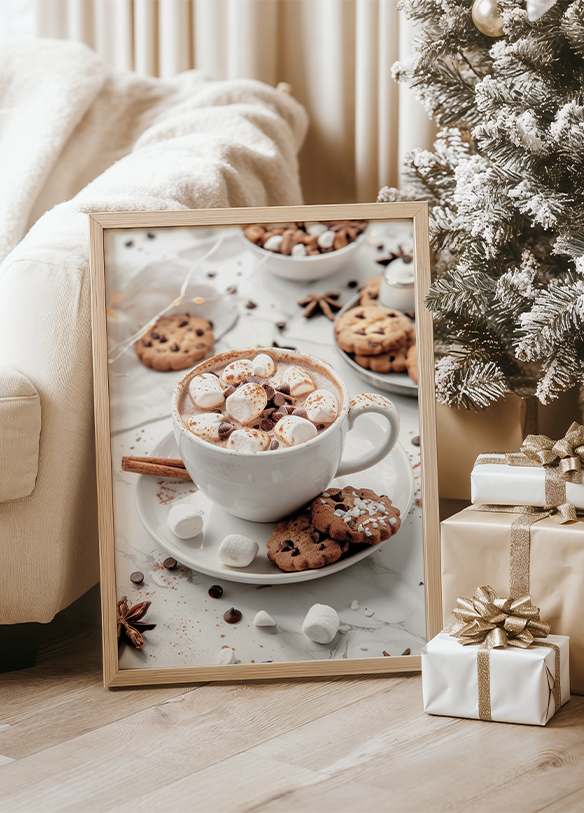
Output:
x,y
486,17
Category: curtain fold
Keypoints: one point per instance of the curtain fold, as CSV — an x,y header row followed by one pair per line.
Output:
x,y
335,54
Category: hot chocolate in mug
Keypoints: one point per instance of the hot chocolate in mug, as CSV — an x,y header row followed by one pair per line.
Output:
x,y
264,486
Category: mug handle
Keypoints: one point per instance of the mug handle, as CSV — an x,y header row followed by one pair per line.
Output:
x,y
360,405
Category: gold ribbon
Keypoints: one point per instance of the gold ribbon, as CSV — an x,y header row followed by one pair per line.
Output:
x,y
491,622
562,463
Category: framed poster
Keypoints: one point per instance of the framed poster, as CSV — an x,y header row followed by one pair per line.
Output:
x,y
266,449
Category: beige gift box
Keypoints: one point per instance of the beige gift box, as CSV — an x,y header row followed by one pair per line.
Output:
x,y
475,550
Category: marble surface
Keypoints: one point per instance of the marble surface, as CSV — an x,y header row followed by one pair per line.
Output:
x,y
145,274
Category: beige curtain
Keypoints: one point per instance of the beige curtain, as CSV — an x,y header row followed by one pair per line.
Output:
x,y
335,54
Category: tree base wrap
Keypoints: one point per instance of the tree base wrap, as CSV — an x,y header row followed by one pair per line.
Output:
x,y
469,433
476,548
520,681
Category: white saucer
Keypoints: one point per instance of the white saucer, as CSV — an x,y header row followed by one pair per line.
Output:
x,y
398,383
393,476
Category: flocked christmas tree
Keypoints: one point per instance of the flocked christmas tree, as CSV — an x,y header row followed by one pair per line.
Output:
x,y
505,184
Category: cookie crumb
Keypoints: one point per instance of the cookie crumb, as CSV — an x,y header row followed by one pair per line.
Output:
x,y
354,605
369,613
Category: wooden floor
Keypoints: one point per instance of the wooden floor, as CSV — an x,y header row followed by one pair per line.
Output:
x,y
67,744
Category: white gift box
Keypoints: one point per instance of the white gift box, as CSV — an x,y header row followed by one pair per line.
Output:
x,y
502,484
521,680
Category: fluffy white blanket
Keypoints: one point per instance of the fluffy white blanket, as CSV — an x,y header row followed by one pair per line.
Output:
x,y
76,135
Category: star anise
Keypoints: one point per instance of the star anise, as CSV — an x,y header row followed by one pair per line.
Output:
x,y
129,623
323,303
400,254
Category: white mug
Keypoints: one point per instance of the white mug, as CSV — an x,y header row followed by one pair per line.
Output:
x,y
266,486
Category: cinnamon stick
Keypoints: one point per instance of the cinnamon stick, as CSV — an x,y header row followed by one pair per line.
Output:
x,y
137,466
160,461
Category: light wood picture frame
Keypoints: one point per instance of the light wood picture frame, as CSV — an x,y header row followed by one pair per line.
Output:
x,y
105,226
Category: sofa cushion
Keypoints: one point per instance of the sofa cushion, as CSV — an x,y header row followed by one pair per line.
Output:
x,y
20,431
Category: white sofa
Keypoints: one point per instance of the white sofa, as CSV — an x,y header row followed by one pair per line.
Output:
x,y
185,143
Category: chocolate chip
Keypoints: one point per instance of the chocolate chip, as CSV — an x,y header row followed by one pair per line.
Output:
x,y
210,324
285,388
280,325
278,415
215,591
229,391
129,243
283,346
211,273
274,445
250,305
146,343
391,315
407,651
361,332
270,391
183,323
300,412
279,399
360,315
351,524
373,294
295,552
163,340
225,429
267,425
352,283
342,507
155,334
416,440
380,331
232,616
136,577
174,348
199,331
150,235
380,247
335,495
170,563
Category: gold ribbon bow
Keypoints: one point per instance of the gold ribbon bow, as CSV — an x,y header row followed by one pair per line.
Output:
x,y
492,622
562,460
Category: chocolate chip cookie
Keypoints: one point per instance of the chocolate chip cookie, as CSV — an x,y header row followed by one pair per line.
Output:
x,y
353,515
412,363
371,331
175,342
395,362
297,545
370,292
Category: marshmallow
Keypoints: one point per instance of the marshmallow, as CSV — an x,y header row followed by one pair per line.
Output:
x,y
206,426
246,403
273,243
315,228
321,407
293,430
237,371
299,250
237,551
248,440
326,239
263,365
321,624
185,521
264,619
205,391
298,380
226,656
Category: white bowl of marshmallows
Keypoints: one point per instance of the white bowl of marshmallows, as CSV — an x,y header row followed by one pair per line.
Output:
x,y
305,251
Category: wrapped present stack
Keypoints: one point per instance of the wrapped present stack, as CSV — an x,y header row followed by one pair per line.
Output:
x,y
523,536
